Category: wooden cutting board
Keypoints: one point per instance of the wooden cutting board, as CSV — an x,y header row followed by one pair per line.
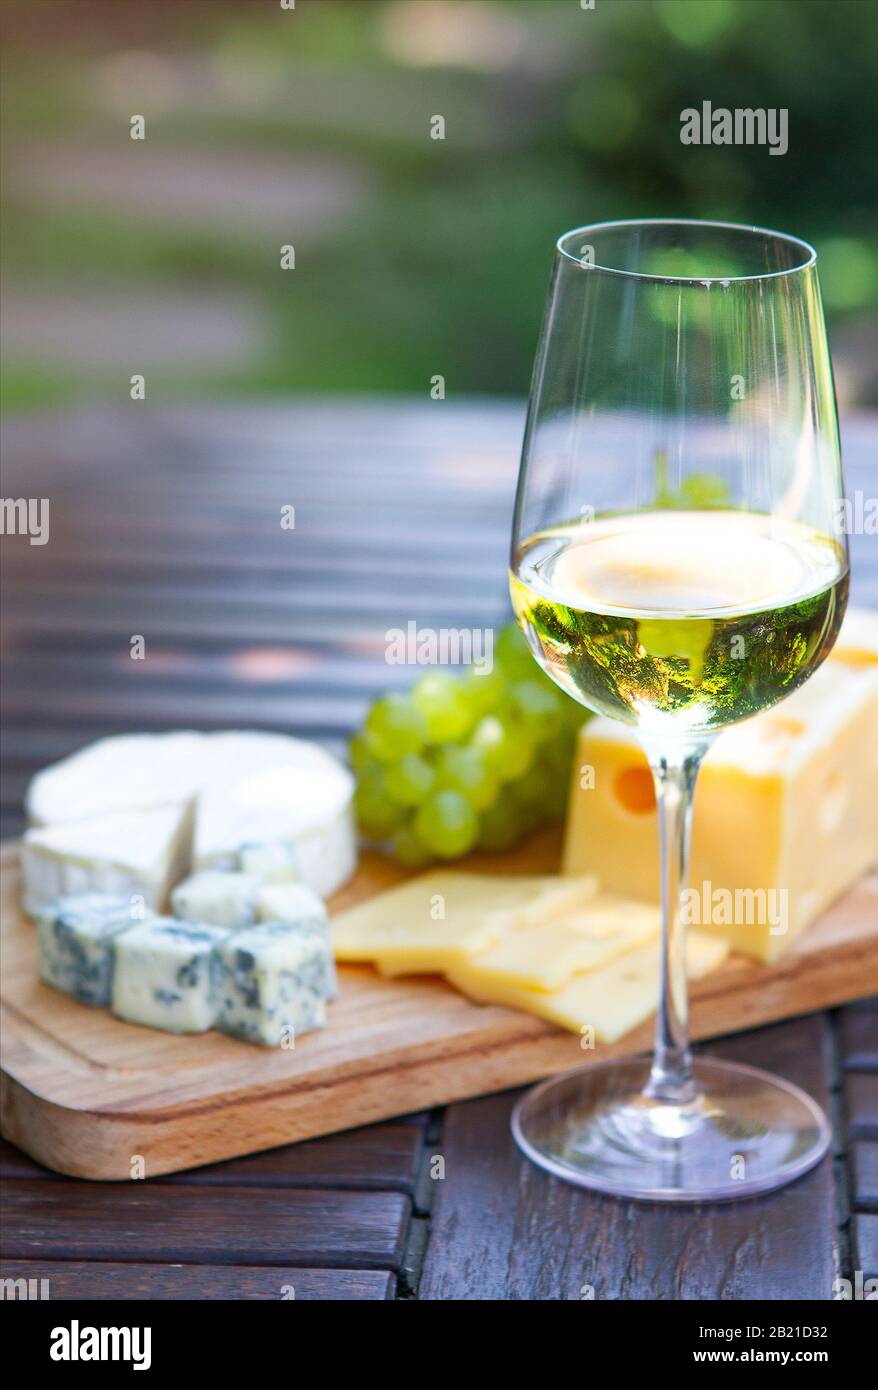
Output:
x,y
90,1096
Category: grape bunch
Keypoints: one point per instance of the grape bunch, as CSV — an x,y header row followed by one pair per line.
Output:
x,y
469,762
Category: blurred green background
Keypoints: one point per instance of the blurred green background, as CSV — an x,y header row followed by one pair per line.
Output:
x,y
414,256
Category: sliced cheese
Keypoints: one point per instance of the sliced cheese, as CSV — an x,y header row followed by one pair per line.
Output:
x,y
544,957
784,818
135,854
611,1000
433,922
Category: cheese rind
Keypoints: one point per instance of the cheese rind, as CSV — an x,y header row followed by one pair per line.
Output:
x,y
304,805
611,1000
219,899
133,854
271,982
128,772
164,975
784,818
76,937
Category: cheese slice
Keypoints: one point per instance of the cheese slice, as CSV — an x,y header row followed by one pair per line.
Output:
x,y
544,957
433,922
611,1000
133,854
784,818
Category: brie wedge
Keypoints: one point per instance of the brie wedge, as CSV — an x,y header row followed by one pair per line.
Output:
x,y
135,854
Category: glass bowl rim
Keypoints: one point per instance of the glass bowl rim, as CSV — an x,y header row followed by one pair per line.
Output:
x,y
804,247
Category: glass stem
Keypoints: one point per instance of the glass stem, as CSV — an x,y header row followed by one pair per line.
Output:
x,y
674,773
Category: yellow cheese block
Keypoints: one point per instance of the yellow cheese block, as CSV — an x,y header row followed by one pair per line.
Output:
x,y
785,807
433,922
612,1000
544,956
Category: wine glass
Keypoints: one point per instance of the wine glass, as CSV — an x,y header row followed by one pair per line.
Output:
x,y
675,566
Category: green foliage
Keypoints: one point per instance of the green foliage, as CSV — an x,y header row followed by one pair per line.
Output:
x,y
442,263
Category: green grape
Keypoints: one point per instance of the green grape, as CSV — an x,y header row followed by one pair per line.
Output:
x,y
409,850
484,692
512,653
537,707
465,770
361,751
536,787
394,727
501,825
410,780
441,700
377,816
507,750
447,824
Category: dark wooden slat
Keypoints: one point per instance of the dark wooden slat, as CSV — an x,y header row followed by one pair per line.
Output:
x,y
202,1225
119,1282
503,1229
865,1234
859,1040
864,1175
861,1102
14,1163
378,1158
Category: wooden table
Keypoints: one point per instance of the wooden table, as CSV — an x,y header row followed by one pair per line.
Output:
x,y
167,525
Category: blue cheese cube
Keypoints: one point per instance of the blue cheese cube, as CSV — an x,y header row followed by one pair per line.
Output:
x,y
298,906
76,936
219,899
272,981
163,975
272,863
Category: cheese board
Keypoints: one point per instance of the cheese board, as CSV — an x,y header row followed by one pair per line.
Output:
x,y
94,1097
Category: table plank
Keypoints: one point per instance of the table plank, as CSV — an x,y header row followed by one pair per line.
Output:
x,y
865,1233
864,1175
503,1229
165,1223
380,1157
102,1280
116,1283
859,1039
861,1102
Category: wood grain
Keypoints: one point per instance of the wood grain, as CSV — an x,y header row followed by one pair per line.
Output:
x,y
141,1221
113,1282
82,1091
503,1229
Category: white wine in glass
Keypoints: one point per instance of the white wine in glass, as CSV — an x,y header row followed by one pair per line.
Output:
x,y
674,566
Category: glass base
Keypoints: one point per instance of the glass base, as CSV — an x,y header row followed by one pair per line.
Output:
x,y
745,1132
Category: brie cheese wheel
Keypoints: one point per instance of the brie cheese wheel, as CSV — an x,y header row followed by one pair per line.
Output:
x,y
131,772
305,803
259,797
134,854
